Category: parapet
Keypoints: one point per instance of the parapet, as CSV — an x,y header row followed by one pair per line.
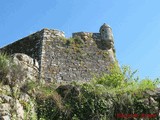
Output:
x,y
104,38
87,35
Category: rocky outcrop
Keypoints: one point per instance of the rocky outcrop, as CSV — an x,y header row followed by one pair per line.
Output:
x,y
25,101
28,65
19,107
15,104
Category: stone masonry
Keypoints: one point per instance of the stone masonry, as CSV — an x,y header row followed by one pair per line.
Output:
x,y
74,59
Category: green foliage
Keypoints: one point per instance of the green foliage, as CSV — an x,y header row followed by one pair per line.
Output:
x,y
102,98
112,80
10,73
49,106
4,65
75,42
29,114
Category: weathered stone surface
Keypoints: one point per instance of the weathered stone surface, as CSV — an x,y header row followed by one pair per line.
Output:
x,y
5,117
24,97
28,65
22,59
5,98
12,99
13,108
58,59
5,107
5,111
107,35
5,89
19,110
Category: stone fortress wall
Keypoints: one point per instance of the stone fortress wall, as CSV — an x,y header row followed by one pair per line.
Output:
x,y
75,59
30,45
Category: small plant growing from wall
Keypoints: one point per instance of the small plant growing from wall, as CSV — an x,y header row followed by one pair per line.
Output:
x,y
76,41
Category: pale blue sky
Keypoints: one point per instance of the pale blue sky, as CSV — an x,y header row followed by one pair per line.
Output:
x,y
135,24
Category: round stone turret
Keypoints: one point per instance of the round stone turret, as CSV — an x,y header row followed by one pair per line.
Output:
x,y
107,35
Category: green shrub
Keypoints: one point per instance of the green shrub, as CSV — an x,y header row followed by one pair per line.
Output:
x,y
49,106
100,99
10,73
4,66
75,42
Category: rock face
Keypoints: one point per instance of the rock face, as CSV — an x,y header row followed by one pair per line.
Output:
x,y
12,99
28,65
12,108
76,59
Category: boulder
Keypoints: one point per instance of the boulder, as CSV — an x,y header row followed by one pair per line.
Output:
x,y
28,65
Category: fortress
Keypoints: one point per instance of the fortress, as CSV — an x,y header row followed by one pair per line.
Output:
x,y
75,59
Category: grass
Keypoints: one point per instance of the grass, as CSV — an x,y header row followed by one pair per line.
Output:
x,y
102,98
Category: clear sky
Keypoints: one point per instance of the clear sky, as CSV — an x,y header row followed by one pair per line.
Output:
x,y
135,25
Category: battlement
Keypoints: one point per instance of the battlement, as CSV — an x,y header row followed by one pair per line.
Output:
x,y
60,59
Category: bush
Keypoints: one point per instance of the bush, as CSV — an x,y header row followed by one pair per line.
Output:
x,y
10,73
4,66
76,42
103,98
